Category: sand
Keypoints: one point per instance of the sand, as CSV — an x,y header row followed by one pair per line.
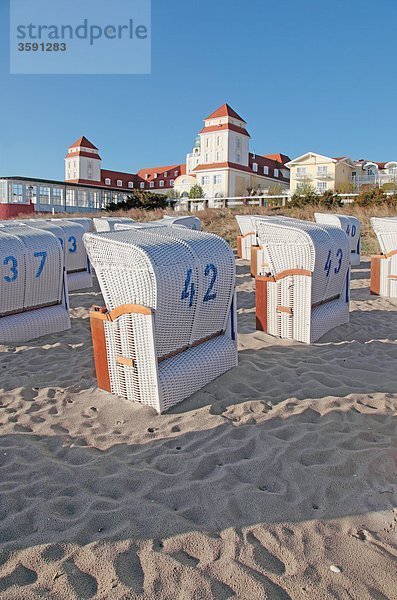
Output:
x,y
278,480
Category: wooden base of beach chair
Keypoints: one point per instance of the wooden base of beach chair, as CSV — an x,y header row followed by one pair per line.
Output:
x,y
261,284
376,274
254,261
97,322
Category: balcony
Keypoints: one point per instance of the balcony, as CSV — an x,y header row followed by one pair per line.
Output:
x,y
323,175
303,176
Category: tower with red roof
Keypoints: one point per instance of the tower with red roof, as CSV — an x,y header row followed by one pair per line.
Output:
x,y
82,162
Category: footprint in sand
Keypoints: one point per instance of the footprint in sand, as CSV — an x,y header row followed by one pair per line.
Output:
x,y
21,576
84,585
129,570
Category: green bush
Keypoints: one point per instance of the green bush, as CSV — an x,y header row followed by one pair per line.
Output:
x,y
140,199
370,197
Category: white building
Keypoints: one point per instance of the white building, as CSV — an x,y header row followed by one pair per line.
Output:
x,y
222,164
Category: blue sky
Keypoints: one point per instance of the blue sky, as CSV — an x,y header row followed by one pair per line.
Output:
x,y
307,75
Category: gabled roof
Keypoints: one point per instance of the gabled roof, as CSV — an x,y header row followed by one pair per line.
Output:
x,y
83,143
160,172
225,111
344,159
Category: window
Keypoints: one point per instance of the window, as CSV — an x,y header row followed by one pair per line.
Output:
x,y
238,158
57,196
3,191
255,167
218,140
89,165
322,170
44,195
142,185
218,157
321,186
146,175
238,143
130,184
17,193
70,198
152,184
354,174
161,183
205,180
176,173
83,199
301,172
166,174
207,157
172,181
119,183
107,181
207,142
155,175
266,170
217,179
276,172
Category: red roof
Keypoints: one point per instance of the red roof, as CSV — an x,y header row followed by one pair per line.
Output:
x,y
170,170
225,111
84,143
222,165
223,127
281,158
82,153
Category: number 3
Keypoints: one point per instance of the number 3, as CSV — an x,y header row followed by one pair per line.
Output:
x,y
339,255
72,240
13,268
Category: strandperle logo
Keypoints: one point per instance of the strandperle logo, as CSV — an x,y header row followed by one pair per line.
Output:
x,y
85,31
95,37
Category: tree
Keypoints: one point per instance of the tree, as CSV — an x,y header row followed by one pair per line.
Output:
x,y
196,192
304,195
140,199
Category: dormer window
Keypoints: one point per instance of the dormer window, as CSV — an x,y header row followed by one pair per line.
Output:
x,y
255,167
176,173
166,174
146,175
107,181
266,170
155,175
119,183
130,184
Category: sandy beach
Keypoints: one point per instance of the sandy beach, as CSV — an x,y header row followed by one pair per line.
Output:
x,y
276,481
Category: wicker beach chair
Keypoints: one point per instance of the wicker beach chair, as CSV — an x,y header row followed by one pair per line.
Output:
x,y
70,234
306,291
187,221
351,226
169,326
247,237
108,223
384,265
33,286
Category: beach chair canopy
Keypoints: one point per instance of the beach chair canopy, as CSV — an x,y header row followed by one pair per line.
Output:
x,y
386,232
187,221
86,222
108,223
185,281
32,285
350,225
70,234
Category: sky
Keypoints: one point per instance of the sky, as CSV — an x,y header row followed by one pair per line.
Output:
x,y
313,75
